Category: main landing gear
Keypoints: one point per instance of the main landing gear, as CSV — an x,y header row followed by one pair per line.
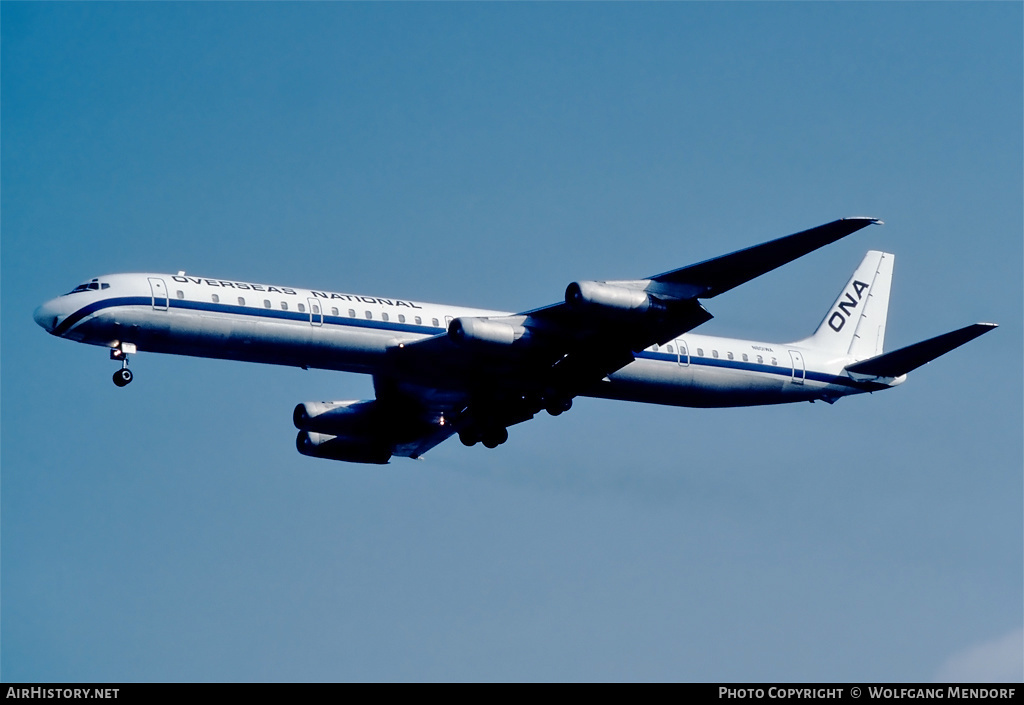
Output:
x,y
123,376
491,437
490,431
558,405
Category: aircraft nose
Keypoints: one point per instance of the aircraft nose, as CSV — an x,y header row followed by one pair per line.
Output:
x,y
48,316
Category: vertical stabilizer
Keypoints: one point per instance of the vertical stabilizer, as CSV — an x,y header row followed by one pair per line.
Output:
x,y
855,324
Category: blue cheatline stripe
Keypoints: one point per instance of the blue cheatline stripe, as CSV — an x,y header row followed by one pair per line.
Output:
x,y
261,313
301,317
780,370
95,306
275,314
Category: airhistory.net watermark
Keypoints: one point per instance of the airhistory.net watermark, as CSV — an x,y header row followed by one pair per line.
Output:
x,y
62,693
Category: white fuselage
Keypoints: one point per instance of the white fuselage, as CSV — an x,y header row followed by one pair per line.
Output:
x,y
217,318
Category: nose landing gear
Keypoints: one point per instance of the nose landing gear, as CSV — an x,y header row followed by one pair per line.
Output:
x,y
123,376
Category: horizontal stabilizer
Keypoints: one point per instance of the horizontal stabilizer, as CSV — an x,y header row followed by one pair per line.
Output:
x,y
900,362
715,276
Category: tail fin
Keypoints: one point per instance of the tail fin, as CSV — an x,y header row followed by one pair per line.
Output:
x,y
900,362
855,324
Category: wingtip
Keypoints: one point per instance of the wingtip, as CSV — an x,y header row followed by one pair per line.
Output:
x,y
871,221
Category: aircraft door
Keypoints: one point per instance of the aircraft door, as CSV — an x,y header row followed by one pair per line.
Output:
x,y
684,352
316,313
799,372
159,291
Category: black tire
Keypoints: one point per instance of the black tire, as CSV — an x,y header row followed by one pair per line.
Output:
x,y
495,437
558,406
123,377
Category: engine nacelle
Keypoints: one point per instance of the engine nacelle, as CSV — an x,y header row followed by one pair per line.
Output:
x,y
609,296
337,418
469,331
350,450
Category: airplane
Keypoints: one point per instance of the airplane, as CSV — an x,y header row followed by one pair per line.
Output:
x,y
445,370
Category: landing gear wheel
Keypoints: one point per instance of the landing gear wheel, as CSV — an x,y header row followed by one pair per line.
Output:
x,y
467,438
122,377
557,406
495,437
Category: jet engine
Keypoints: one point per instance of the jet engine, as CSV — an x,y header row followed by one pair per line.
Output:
x,y
480,330
348,449
603,295
342,430
338,418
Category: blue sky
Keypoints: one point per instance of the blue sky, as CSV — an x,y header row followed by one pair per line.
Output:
x,y
487,155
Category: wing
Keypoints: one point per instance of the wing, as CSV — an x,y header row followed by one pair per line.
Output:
x,y
486,374
420,416
718,275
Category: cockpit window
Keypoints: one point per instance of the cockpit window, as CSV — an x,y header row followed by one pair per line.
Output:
x,y
94,285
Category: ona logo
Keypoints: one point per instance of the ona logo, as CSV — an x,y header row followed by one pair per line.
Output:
x,y
838,318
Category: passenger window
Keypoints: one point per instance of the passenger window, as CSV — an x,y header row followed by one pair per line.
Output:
x,y
654,347
729,355
351,313
180,294
745,357
316,309
241,301
302,308
418,320
383,316
774,361
334,311
700,352
669,348
760,359
436,324
284,305
401,318
369,316
714,354
216,299
266,303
